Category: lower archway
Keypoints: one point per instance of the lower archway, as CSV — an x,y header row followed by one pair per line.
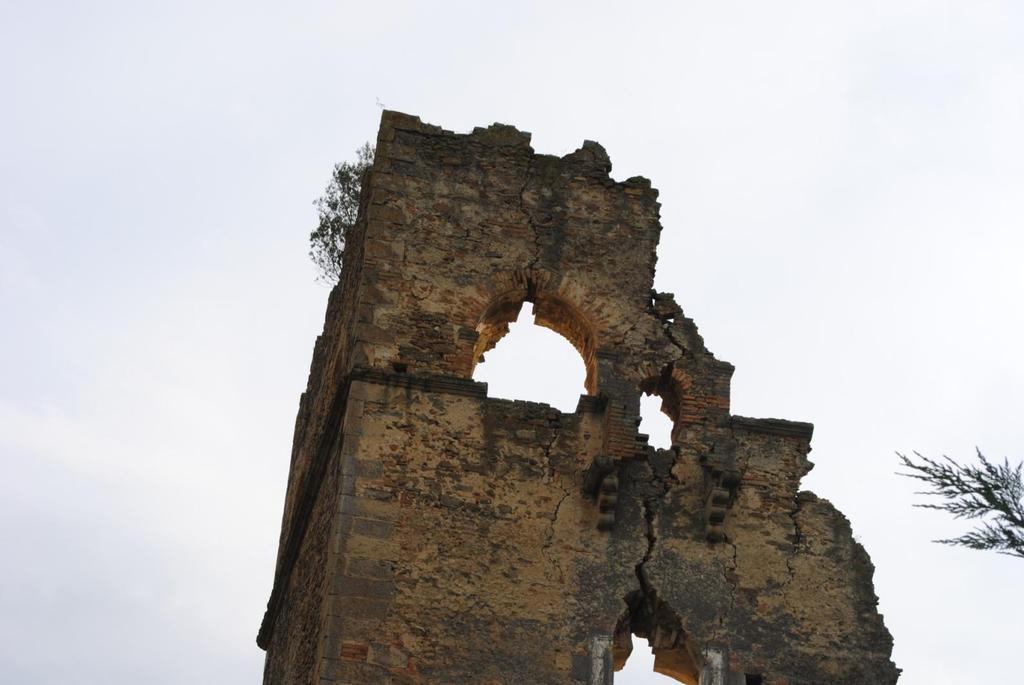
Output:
x,y
674,655
643,668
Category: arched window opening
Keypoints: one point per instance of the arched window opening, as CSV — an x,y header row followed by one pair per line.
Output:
x,y
655,422
661,400
532,362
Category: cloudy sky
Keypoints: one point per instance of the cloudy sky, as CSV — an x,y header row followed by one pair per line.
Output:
x,y
841,187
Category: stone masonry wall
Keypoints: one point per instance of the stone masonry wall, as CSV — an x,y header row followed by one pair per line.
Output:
x,y
432,534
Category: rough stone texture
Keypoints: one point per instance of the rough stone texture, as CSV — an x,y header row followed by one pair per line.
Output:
x,y
432,534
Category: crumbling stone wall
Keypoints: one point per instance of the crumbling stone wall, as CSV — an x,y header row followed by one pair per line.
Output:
x,y
432,534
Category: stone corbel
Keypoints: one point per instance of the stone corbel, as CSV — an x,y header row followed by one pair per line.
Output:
x,y
722,480
602,482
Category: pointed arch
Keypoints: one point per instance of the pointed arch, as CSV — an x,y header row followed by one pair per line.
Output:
x,y
551,310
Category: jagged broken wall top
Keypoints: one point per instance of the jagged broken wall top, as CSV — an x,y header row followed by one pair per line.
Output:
x,y
432,286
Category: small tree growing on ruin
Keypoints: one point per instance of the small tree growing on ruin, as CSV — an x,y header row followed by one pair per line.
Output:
x,y
991,493
338,208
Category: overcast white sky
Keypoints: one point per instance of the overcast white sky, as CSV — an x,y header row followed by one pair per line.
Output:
x,y
841,187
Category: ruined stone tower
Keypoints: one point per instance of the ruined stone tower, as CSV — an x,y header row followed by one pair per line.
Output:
x,y
432,534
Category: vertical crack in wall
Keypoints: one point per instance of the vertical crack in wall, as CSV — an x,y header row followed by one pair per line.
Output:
x,y
661,481
556,426
730,565
731,576
798,538
649,616
529,219
649,594
664,308
669,333
567,490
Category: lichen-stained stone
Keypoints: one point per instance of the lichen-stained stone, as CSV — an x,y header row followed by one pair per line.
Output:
x,y
434,535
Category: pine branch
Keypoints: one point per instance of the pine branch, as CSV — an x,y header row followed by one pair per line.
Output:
x,y
990,492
